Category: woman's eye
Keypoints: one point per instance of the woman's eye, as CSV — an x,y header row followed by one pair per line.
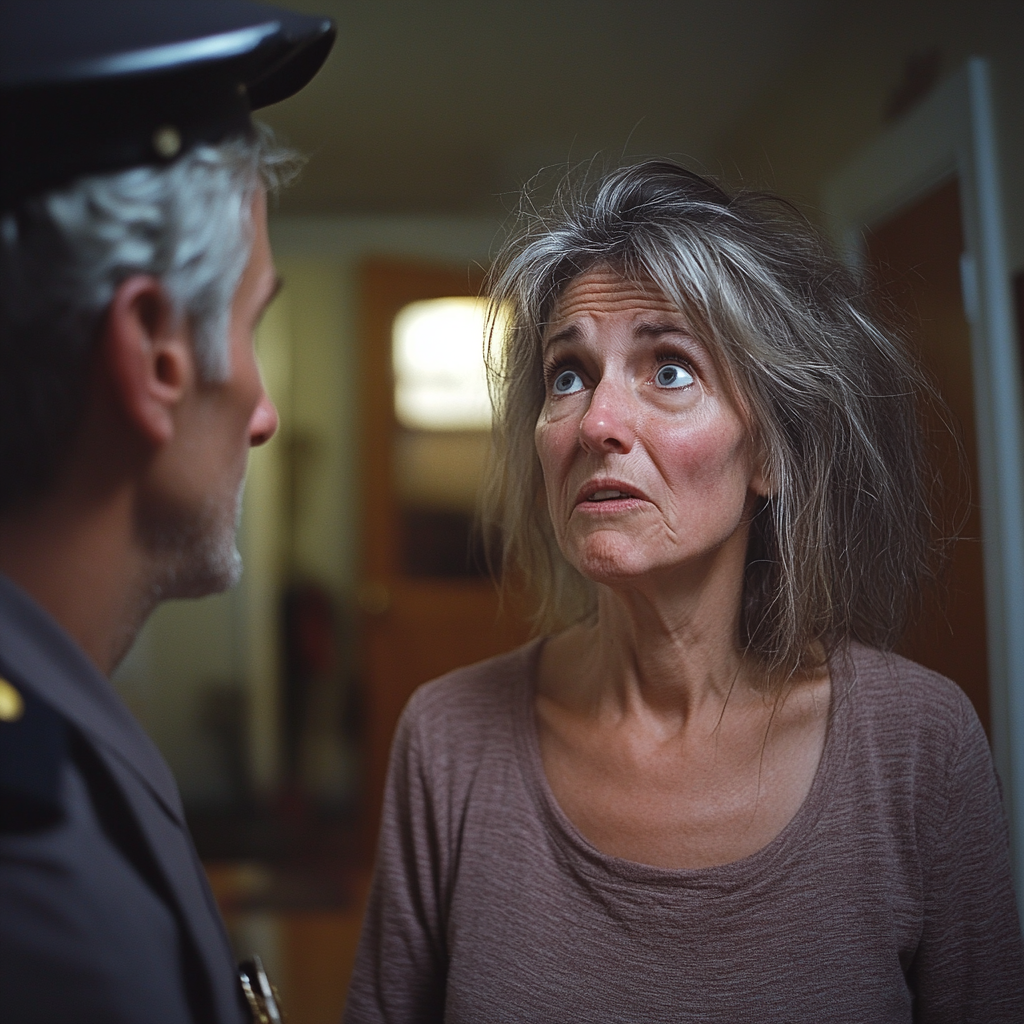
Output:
x,y
672,375
567,382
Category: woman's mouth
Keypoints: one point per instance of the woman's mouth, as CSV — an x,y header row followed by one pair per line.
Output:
x,y
609,494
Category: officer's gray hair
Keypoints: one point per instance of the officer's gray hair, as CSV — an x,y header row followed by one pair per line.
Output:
x,y
63,255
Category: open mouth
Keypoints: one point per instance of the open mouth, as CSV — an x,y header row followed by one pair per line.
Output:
x,y
600,493
609,492
609,495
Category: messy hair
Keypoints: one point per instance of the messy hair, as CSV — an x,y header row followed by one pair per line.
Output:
x,y
63,255
841,547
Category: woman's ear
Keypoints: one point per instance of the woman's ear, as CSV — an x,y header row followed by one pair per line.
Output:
x,y
146,351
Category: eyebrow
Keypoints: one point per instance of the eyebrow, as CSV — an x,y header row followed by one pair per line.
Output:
x,y
570,332
659,327
261,310
646,328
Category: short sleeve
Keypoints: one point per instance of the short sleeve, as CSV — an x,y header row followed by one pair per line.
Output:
x,y
970,962
399,974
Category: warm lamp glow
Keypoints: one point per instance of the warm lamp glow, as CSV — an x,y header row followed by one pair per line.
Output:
x,y
437,354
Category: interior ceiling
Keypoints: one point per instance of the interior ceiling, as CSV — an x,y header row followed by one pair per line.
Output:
x,y
450,105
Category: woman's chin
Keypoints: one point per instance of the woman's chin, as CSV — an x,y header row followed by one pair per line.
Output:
x,y
611,560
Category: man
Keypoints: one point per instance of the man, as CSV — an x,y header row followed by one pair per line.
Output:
x,y
134,267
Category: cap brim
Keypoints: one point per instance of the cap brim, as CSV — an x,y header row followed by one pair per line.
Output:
x,y
95,86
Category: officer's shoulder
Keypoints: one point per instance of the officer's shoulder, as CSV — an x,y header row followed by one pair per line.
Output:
x,y
33,751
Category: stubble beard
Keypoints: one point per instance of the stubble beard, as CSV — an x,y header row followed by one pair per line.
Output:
x,y
194,552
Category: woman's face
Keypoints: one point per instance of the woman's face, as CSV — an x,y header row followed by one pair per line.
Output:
x,y
648,465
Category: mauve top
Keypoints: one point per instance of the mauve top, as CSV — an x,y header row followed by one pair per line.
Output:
x,y
887,898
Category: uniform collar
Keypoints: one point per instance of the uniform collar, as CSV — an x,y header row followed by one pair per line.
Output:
x,y
37,654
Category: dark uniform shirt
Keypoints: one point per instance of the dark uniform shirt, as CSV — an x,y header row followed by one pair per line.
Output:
x,y
105,913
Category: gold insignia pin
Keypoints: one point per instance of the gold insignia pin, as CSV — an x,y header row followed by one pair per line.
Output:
x,y
12,706
167,141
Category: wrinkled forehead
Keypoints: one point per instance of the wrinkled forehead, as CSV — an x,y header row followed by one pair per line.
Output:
x,y
604,290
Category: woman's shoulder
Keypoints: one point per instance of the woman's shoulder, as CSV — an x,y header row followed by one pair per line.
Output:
x,y
904,702
914,747
470,704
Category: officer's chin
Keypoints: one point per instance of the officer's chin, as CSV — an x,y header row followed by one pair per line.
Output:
x,y
218,572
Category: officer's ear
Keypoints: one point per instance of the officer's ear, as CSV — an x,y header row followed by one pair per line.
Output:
x,y
147,352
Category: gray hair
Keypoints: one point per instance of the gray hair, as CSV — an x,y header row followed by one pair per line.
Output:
x,y
842,546
63,255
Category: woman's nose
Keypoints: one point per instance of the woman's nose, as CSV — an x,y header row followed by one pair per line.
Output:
x,y
609,424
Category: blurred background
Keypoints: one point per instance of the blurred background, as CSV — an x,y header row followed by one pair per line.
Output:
x,y
274,704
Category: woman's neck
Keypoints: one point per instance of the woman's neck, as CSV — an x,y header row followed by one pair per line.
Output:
x,y
654,651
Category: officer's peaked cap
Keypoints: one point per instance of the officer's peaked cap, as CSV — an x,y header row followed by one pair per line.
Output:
x,y
94,86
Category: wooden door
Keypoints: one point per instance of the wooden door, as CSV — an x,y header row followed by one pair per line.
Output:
x,y
915,256
418,620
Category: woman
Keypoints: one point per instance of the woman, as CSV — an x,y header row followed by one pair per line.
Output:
x,y
711,796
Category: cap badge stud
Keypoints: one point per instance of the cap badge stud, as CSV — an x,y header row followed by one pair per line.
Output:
x,y
167,141
12,707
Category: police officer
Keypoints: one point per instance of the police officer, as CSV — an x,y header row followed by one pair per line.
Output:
x,y
134,266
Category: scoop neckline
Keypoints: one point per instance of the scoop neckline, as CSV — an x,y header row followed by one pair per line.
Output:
x,y
615,871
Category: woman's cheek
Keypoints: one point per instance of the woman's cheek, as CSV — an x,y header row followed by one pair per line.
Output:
x,y
554,436
555,441
712,463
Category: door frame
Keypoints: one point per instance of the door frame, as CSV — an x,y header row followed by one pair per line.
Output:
x,y
953,132
387,595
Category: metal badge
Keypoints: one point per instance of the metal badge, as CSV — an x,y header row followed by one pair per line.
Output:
x,y
259,993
